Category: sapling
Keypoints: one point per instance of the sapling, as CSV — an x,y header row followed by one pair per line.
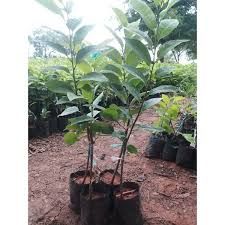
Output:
x,y
79,92
131,81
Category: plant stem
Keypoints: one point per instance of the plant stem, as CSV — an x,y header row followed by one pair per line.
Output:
x,y
91,143
87,165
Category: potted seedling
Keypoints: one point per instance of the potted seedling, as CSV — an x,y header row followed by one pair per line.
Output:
x,y
169,112
43,123
132,83
78,95
32,124
189,117
187,151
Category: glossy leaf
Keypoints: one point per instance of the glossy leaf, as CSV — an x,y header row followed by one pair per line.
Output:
x,y
70,138
120,16
94,76
81,33
84,67
62,100
98,100
69,110
80,119
82,53
114,54
143,35
170,4
166,27
151,102
132,149
95,113
139,49
113,68
71,96
87,93
110,114
132,59
146,13
163,71
72,24
163,89
102,127
63,68
132,90
135,72
60,87
57,47
50,5
168,46
115,36
111,76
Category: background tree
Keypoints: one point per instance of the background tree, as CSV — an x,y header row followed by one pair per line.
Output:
x,y
186,12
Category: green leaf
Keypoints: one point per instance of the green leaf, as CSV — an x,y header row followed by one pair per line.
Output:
x,y
163,71
168,46
151,102
115,36
114,54
84,67
98,100
139,49
84,52
119,134
110,114
143,35
71,96
81,33
132,149
119,92
57,47
113,68
121,16
166,27
63,68
135,72
132,90
111,76
171,3
72,24
165,98
50,5
62,100
69,110
70,138
132,59
163,89
80,119
87,93
102,127
95,113
60,87
146,13
94,76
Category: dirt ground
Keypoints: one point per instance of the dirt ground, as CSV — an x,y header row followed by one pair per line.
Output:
x,y
168,192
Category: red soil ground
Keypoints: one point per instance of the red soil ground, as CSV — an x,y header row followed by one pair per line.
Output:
x,y
168,192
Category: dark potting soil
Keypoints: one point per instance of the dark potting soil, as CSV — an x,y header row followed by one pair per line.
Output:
x,y
107,178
